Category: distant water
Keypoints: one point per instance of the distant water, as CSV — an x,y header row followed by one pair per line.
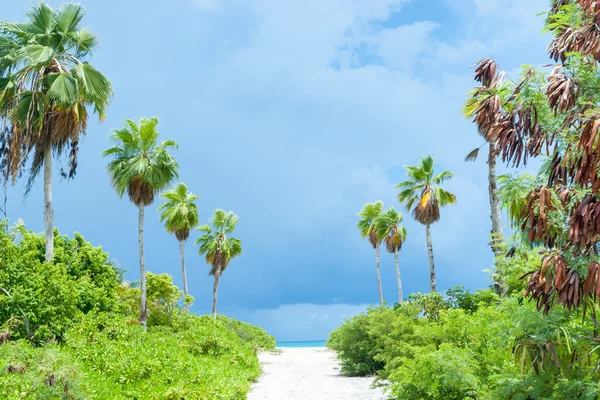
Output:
x,y
309,343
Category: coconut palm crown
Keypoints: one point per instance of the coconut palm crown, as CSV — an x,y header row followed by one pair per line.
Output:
x,y
423,189
218,247
180,212
46,88
366,223
141,167
389,229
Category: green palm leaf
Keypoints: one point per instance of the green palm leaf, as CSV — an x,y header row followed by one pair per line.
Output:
x,y
422,193
140,166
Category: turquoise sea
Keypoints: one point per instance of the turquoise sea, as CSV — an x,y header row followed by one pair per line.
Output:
x,y
308,343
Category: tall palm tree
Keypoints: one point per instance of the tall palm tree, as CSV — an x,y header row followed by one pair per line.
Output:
x,y
180,214
394,235
424,197
141,167
219,247
46,88
366,225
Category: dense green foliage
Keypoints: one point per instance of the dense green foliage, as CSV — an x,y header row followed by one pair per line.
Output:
x,y
86,342
472,345
541,339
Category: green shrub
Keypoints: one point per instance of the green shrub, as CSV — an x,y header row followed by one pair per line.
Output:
x,y
52,295
256,336
355,346
473,347
100,351
443,374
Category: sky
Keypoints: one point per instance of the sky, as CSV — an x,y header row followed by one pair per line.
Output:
x,y
294,114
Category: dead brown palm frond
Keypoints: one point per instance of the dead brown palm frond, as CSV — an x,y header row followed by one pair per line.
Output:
x,y
536,289
554,280
373,239
140,193
535,216
558,174
488,112
590,6
560,91
570,294
428,210
584,231
509,138
472,156
537,140
591,285
585,40
485,72
182,234
393,242
588,154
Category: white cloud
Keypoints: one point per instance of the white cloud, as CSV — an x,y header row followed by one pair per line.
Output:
x,y
401,46
292,322
207,5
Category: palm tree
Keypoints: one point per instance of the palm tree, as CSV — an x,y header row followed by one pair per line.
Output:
x,y
46,88
422,190
142,167
366,225
218,247
180,214
389,228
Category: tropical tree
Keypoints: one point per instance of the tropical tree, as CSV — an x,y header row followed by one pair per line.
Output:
x,y
46,88
513,193
394,235
180,214
366,225
141,167
424,196
219,248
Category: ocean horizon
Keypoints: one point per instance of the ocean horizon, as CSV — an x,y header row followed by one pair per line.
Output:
x,y
303,343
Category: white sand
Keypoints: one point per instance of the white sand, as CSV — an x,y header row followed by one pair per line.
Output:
x,y
309,374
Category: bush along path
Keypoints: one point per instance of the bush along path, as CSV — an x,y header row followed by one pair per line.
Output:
x,y
83,339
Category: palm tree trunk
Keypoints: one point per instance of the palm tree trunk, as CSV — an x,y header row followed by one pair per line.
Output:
x,y
143,305
431,263
185,286
398,277
215,292
48,211
496,218
378,274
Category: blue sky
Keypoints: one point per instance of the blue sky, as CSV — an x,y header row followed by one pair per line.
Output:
x,y
293,114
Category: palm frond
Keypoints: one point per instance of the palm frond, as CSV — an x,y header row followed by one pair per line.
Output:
x,y
366,224
421,192
180,212
472,156
139,165
217,247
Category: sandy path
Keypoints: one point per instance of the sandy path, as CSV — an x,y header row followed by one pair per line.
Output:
x,y
308,374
